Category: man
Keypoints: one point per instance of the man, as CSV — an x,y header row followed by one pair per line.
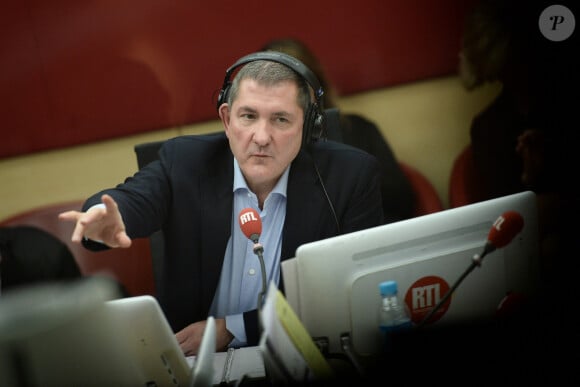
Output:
x,y
304,190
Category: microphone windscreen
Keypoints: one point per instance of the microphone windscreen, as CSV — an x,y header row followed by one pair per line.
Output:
x,y
505,228
250,223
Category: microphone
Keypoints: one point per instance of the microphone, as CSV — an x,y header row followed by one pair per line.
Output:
x,y
502,232
251,226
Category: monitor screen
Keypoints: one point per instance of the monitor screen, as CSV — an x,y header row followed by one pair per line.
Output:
x,y
332,284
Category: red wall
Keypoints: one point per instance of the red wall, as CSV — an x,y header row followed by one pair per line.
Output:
x,y
74,72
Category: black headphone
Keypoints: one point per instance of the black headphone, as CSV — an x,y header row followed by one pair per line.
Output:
x,y
314,118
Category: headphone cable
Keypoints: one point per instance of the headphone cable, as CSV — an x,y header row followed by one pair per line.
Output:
x,y
326,195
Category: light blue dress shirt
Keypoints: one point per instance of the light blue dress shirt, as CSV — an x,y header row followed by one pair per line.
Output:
x,y
241,278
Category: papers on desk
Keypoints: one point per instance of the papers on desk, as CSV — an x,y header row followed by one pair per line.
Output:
x,y
236,364
286,353
288,350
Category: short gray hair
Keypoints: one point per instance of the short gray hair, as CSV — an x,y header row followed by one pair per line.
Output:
x,y
270,73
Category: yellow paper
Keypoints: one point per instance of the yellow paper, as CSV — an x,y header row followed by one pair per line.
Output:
x,y
301,338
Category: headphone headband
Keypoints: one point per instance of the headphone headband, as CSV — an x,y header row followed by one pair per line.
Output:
x,y
314,119
279,57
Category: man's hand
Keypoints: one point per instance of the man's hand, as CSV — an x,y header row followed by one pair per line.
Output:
x,y
189,338
103,224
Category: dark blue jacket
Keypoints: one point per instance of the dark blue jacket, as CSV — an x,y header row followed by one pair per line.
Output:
x,y
188,194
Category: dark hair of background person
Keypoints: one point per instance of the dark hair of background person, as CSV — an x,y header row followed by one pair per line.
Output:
x,y
30,255
492,51
358,131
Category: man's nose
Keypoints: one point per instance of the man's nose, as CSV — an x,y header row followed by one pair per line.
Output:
x,y
262,132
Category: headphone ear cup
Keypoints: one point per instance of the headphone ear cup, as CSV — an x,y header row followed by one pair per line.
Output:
x,y
320,124
307,130
314,125
223,95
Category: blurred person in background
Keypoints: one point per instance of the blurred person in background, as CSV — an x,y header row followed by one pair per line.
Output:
x,y
358,131
525,139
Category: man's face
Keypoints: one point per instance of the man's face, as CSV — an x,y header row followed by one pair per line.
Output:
x,y
264,128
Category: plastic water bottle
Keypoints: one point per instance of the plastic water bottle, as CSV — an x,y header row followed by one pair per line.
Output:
x,y
393,314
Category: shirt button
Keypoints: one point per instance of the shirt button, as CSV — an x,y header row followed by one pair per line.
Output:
x,y
251,272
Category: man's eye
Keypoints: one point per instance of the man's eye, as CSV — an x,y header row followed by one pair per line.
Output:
x,y
248,116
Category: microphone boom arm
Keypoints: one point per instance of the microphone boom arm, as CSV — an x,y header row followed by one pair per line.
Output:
x,y
259,251
503,230
475,261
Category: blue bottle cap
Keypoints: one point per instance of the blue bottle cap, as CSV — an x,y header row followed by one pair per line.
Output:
x,y
388,288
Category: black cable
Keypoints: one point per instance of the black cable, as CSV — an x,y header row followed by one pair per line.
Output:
x,y
327,196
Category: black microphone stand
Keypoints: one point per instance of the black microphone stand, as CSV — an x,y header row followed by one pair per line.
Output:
x,y
259,251
475,261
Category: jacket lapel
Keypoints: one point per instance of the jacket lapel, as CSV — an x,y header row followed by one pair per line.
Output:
x,y
300,206
216,212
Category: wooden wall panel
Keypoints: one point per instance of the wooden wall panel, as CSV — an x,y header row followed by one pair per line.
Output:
x,y
75,72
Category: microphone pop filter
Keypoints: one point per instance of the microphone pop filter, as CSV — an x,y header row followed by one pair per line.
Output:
x,y
505,228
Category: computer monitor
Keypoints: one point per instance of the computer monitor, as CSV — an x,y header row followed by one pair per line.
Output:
x,y
83,335
332,284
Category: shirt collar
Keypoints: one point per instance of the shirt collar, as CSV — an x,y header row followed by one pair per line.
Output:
x,y
240,182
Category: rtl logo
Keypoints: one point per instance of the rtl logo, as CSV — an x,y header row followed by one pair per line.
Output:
x,y
247,217
423,295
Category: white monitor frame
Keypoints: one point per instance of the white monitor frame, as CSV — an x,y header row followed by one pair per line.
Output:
x,y
80,334
335,290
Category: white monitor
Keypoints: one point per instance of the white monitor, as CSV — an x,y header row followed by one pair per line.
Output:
x,y
332,284
79,335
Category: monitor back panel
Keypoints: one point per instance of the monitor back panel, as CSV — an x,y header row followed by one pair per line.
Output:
x,y
145,335
338,278
119,342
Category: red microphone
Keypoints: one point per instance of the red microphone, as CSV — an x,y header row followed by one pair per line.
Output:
x,y
502,232
505,228
251,224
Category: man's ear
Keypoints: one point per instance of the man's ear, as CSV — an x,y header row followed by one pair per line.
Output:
x,y
224,114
